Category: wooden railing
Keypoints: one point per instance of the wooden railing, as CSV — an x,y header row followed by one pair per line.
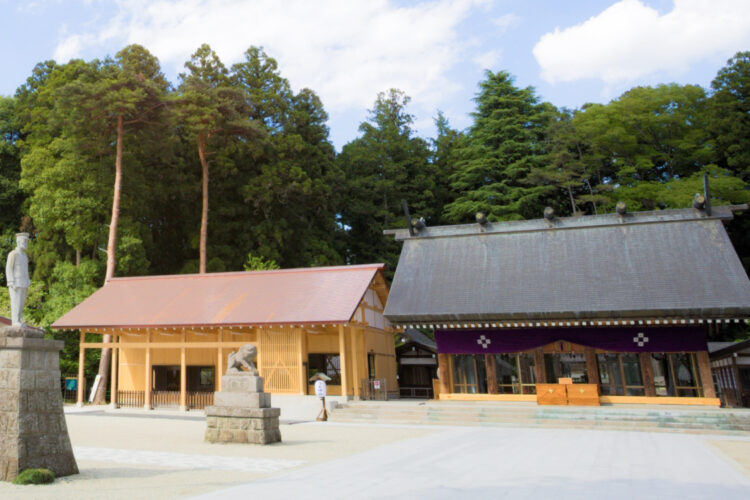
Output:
x,y
165,399
415,392
199,400
131,399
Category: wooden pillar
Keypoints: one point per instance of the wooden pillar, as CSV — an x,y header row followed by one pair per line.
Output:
x,y
149,374
737,382
183,374
302,356
444,366
592,365
344,361
259,349
81,376
355,360
704,367
541,370
491,370
220,361
113,373
647,373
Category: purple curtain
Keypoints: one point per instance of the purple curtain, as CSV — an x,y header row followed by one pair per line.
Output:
x,y
623,339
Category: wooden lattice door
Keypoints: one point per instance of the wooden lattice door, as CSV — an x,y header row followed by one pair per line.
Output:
x,y
279,359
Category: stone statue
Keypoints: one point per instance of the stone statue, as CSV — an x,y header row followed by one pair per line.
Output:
x,y
245,356
17,275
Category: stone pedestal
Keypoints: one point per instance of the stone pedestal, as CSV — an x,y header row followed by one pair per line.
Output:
x,y
33,432
242,412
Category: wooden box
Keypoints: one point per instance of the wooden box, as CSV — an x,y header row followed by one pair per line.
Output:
x,y
583,394
551,394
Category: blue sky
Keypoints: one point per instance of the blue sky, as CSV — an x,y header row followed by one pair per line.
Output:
x,y
572,51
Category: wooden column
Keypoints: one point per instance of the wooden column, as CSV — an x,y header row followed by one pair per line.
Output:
x,y
114,360
183,374
539,368
81,376
737,382
444,365
491,369
301,357
344,361
149,374
592,365
647,373
220,361
355,360
704,367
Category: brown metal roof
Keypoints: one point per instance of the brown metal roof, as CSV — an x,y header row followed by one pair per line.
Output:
x,y
290,296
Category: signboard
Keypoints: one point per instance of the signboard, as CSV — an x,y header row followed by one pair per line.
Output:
x,y
71,384
95,387
320,388
376,384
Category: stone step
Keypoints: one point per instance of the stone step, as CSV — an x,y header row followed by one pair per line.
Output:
x,y
688,420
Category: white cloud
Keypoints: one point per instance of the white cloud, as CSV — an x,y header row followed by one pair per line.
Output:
x,y
347,51
504,22
489,59
630,40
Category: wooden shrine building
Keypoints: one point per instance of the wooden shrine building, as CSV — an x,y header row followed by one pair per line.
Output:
x,y
730,362
620,302
172,334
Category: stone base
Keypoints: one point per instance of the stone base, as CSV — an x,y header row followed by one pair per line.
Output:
x,y
242,425
33,432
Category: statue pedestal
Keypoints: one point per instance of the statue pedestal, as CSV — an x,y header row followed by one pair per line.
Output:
x,y
33,432
242,412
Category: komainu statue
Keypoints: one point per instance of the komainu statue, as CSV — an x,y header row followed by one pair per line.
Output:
x,y
245,356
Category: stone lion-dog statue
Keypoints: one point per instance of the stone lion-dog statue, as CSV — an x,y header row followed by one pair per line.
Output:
x,y
244,356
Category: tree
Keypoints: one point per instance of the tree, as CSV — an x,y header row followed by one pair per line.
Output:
x,y
730,114
212,109
443,160
386,164
126,92
11,197
503,145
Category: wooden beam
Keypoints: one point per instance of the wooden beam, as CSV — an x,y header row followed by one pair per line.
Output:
x,y
163,345
539,367
220,362
444,373
81,366
355,359
704,367
301,357
183,375
491,370
149,374
344,361
114,361
592,365
647,373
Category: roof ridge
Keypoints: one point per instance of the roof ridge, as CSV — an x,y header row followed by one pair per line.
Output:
x,y
293,270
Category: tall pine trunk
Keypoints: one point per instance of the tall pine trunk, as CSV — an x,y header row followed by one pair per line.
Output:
x,y
104,362
204,211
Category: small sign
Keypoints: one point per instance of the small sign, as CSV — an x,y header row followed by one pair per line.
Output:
x,y
71,384
95,387
376,384
320,388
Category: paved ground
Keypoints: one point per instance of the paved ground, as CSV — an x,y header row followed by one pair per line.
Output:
x,y
130,456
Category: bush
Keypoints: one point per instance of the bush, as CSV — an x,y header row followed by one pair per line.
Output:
x,y
35,476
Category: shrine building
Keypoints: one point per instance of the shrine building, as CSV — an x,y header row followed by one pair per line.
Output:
x,y
621,304
171,335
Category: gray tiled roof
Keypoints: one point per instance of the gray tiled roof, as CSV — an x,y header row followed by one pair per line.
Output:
x,y
670,263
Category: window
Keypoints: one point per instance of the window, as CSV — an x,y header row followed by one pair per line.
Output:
x,y
330,364
469,374
566,365
515,373
676,374
616,368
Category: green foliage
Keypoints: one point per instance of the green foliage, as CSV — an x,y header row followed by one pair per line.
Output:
x,y
503,146
386,164
35,476
257,263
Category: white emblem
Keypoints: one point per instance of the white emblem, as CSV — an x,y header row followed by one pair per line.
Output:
x,y
483,341
640,339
